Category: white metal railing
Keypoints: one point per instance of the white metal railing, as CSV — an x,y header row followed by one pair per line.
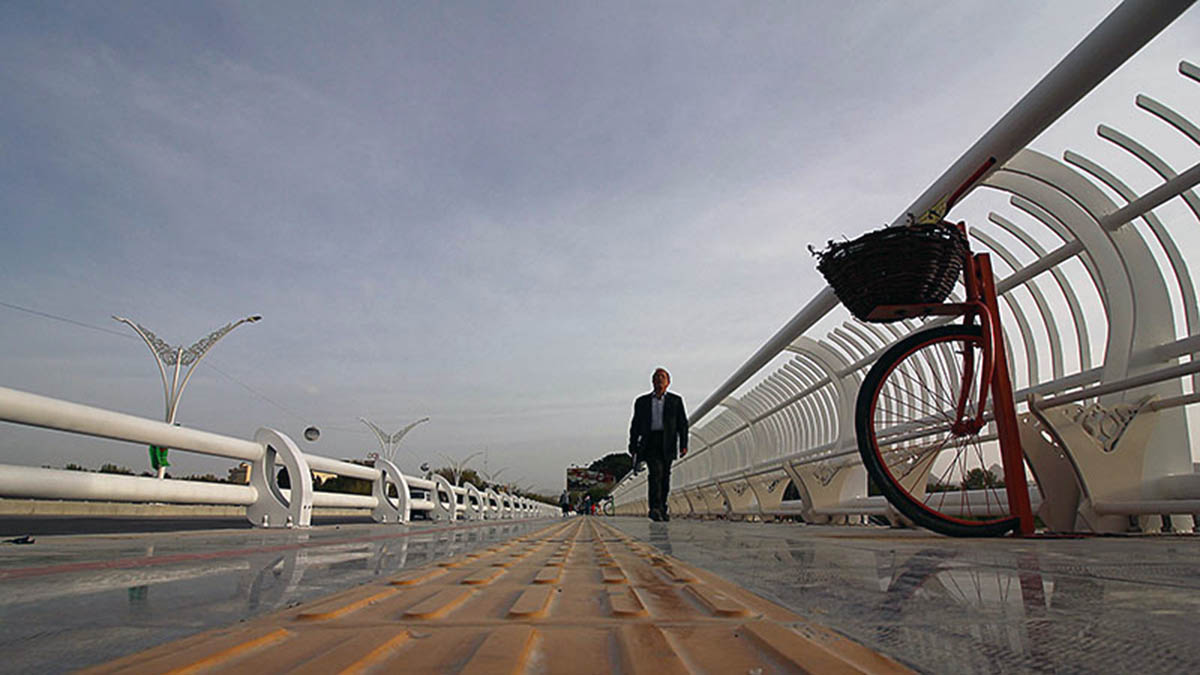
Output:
x,y
394,497
1101,322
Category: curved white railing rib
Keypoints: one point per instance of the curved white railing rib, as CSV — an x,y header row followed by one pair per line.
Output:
x,y
1087,307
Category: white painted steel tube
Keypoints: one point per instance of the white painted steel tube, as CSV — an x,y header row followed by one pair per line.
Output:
x,y
32,482
327,465
343,501
1110,222
1122,33
420,483
41,411
1126,30
878,508
824,302
1171,373
1174,401
23,407
1152,199
1147,507
978,503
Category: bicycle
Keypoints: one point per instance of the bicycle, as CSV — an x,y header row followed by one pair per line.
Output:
x,y
922,410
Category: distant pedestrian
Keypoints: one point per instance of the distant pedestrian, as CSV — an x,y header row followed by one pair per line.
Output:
x,y
658,432
564,501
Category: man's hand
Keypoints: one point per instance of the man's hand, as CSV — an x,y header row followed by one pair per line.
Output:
x,y
682,452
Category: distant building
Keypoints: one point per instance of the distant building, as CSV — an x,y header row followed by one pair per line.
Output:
x,y
582,478
240,474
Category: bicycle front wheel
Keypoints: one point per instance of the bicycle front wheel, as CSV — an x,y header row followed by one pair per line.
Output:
x,y
914,425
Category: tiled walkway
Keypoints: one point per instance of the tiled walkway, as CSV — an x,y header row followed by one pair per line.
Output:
x,y
575,597
1105,604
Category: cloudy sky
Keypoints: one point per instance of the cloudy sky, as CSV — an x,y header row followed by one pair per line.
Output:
x,y
502,216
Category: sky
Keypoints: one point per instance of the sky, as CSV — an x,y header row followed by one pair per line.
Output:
x,y
502,216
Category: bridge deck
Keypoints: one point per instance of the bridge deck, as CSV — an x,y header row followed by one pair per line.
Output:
x,y
596,595
573,597
1096,604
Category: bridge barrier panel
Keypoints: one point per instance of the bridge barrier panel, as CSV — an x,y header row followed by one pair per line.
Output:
x,y
1098,299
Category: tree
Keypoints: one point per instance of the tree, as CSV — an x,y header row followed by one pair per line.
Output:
x,y
205,478
113,468
616,464
545,499
465,476
471,476
977,479
346,485
935,485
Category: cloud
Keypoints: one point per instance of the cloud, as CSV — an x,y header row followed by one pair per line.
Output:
x,y
501,216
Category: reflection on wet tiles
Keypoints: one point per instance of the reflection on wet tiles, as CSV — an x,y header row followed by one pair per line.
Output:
x,y
945,605
163,586
660,537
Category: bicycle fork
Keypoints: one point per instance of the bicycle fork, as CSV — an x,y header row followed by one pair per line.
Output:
x,y
981,290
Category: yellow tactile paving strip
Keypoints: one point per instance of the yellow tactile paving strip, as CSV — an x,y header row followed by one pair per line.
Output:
x,y
575,597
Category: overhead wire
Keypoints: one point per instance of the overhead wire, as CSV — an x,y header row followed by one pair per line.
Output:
x,y
209,362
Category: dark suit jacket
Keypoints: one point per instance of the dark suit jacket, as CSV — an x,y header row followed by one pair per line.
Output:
x,y
675,426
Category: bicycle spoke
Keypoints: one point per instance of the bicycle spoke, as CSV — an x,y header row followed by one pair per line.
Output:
x,y
902,402
930,390
920,406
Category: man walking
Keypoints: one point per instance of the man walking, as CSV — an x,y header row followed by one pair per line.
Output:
x,y
659,426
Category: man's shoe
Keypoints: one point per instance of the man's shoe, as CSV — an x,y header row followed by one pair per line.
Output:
x,y
666,516
655,516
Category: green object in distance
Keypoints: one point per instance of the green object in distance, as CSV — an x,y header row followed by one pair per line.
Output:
x,y
158,457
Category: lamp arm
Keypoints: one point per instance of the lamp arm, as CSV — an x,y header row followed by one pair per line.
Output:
x,y
400,434
201,349
379,434
157,361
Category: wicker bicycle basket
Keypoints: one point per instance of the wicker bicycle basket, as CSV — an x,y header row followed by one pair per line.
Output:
x,y
905,265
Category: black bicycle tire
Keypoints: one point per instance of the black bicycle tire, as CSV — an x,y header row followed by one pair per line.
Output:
x,y
873,461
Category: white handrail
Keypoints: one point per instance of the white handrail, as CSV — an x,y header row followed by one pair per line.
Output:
x,y
795,426
38,483
41,411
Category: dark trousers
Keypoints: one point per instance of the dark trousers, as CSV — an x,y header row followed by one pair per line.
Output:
x,y
659,466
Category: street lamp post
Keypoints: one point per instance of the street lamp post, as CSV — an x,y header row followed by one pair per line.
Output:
x,y
177,357
389,442
519,485
459,466
491,477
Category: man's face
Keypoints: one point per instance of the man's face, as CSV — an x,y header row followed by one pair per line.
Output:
x,y
660,380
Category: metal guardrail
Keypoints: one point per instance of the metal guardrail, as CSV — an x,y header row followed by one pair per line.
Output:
x,y
1086,256
395,496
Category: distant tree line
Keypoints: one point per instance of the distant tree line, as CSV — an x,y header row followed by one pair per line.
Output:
x,y
125,471
471,476
615,464
341,484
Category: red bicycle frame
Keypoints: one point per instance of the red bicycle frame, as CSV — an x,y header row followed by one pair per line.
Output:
x,y
981,301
